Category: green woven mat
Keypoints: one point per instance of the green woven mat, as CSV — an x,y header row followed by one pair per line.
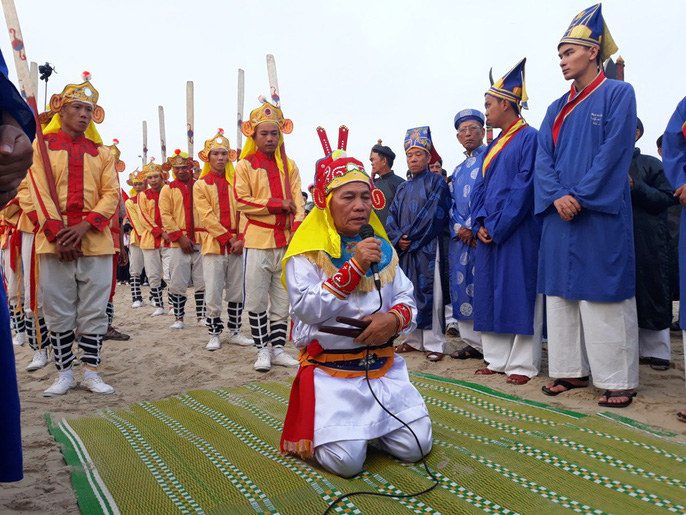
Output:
x,y
217,452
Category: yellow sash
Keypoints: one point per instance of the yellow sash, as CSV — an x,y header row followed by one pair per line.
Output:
x,y
502,143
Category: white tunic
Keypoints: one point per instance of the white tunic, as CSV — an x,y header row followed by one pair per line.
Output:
x,y
345,409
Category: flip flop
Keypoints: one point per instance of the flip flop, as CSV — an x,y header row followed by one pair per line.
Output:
x,y
566,384
404,347
618,393
434,356
681,416
467,352
517,379
486,372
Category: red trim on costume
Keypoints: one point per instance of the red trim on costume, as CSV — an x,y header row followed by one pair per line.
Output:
x,y
115,265
274,206
14,246
51,227
572,103
404,314
157,223
261,160
186,190
97,220
343,283
33,217
222,185
173,236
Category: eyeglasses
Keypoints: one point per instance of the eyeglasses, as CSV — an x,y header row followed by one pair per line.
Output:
x,y
470,128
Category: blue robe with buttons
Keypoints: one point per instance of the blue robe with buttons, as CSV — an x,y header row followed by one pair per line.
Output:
x,y
11,468
674,162
592,256
505,273
462,255
420,210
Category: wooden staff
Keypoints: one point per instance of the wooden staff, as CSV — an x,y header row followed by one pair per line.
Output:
x,y
274,92
19,53
33,74
190,125
241,105
163,136
145,143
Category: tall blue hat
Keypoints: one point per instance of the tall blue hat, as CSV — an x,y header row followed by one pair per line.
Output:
x,y
512,86
588,29
469,114
420,137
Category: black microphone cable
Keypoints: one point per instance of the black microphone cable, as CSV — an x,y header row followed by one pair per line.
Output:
x,y
364,232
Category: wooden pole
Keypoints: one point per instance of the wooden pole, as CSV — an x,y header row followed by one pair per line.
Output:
x,y
274,92
33,74
19,53
163,136
241,106
190,125
145,143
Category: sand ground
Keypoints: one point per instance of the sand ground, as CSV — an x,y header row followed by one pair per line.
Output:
x,y
159,362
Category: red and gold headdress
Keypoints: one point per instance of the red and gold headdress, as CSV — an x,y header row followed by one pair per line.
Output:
x,y
218,141
84,92
337,169
179,160
266,113
119,165
153,167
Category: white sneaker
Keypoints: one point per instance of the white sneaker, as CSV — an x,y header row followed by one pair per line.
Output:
x,y
40,359
177,325
236,337
158,312
279,357
214,344
96,385
137,304
264,360
19,339
61,386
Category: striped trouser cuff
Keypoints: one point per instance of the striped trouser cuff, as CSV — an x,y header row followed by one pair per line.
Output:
x,y
178,302
235,313
258,328
156,297
215,326
110,313
62,344
17,319
91,344
135,283
200,304
278,333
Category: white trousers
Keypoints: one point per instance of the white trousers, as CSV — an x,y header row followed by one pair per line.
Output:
x,y
469,335
346,458
15,288
75,293
431,340
516,353
27,253
597,338
654,344
136,260
184,267
223,276
154,265
262,283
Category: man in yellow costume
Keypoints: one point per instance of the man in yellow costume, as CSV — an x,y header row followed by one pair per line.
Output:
x,y
137,182
267,192
222,249
74,242
180,221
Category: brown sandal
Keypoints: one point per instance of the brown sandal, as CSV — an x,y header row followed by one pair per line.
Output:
x,y
486,372
404,347
434,356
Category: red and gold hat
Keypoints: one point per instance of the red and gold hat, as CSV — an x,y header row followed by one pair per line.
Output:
x,y
153,167
178,159
136,177
119,165
84,92
217,141
337,169
266,113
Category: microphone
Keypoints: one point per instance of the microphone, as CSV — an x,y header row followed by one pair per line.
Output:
x,y
367,231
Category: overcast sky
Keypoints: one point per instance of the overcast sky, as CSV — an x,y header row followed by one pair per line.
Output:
x,y
380,67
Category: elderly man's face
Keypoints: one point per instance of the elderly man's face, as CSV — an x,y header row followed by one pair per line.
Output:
x,y
470,134
417,160
351,206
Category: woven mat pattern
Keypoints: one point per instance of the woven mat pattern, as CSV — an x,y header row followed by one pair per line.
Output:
x,y
216,451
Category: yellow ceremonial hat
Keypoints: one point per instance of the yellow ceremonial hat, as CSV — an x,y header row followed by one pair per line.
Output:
x,y
217,141
136,177
84,92
266,113
153,167
119,165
